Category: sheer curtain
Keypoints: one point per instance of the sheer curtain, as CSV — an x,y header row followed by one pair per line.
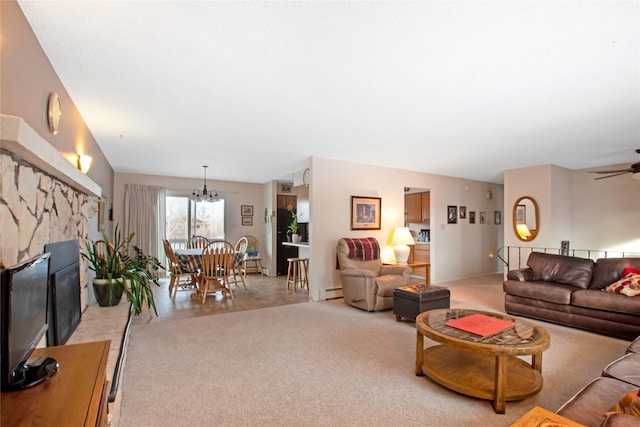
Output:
x,y
144,215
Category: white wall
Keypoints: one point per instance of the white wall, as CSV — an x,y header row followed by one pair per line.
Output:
x,y
235,194
602,215
457,250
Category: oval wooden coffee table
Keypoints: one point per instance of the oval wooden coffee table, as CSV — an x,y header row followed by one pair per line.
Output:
x,y
485,367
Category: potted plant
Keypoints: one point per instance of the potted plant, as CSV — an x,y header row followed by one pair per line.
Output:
x,y
293,226
122,268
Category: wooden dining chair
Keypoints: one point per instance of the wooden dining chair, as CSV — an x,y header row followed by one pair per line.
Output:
x,y
181,280
217,265
252,258
239,270
197,242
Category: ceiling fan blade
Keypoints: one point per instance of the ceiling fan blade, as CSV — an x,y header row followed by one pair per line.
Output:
x,y
615,171
611,176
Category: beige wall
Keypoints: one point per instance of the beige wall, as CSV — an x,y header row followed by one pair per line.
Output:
x,y
26,81
458,250
592,215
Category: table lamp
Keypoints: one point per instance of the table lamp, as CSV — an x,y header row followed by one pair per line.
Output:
x,y
401,239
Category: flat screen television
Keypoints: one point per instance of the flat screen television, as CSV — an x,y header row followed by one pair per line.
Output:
x,y
23,313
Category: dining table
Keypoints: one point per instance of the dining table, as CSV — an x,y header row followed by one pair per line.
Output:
x,y
189,259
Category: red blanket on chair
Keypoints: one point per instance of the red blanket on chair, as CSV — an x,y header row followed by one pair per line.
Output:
x,y
365,249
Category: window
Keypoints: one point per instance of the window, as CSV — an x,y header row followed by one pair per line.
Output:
x,y
186,218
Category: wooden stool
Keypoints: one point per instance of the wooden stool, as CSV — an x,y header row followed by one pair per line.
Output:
x,y
297,273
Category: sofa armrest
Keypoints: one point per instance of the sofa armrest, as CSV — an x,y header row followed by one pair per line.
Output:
x,y
394,270
354,272
522,275
621,420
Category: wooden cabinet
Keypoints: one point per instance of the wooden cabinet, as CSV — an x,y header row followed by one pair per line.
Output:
x,y
76,395
426,205
412,208
416,207
420,252
284,201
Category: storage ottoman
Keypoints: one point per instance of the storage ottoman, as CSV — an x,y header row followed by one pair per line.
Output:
x,y
411,300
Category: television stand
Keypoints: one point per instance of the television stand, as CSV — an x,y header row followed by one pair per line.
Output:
x,y
36,370
75,396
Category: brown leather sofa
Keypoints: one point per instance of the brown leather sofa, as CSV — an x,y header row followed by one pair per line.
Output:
x,y
591,404
568,290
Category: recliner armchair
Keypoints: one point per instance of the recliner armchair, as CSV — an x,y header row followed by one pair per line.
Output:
x,y
366,283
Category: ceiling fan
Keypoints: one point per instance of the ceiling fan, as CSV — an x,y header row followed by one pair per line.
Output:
x,y
634,169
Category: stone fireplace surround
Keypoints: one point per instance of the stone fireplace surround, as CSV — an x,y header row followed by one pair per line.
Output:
x,y
43,198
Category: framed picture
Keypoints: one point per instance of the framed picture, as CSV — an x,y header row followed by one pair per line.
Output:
x,y
285,188
483,218
472,217
564,247
521,214
365,213
452,214
246,210
247,220
497,217
102,213
463,212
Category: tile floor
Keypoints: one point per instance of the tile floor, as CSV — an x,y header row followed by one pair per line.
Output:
x,y
108,323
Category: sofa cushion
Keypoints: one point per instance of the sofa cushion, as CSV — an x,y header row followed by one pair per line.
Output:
x,y
629,285
608,270
606,301
543,291
626,368
561,269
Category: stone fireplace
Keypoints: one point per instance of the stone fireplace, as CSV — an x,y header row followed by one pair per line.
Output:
x,y
44,199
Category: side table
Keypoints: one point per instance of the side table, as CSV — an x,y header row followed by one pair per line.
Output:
x,y
538,416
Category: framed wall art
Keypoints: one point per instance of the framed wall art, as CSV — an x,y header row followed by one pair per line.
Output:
x,y
102,213
247,220
472,217
497,217
452,214
365,213
246,210
521,214
483,218
463,212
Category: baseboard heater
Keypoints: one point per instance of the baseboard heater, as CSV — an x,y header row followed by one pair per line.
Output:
x,y
115,381
333,293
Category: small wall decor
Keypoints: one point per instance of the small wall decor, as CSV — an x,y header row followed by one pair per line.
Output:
x,y
483,218
365,213
463,212
246,210
472,217
285,188
497,217
521,214
102,213
564,247
247,220
452,214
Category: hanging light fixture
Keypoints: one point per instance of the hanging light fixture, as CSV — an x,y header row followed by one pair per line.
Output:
x,y
205,195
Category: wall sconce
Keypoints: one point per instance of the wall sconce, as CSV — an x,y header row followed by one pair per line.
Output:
x,y
523,231
401,239
84,163
489,195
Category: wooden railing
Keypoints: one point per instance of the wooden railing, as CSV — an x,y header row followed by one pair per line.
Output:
x,y
515,257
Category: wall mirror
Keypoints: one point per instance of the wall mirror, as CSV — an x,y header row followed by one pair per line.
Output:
x,y
526,219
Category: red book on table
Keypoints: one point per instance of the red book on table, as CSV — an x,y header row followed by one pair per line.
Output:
x,y
480,324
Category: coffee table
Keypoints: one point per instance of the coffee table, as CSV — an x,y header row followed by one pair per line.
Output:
x,y
481,367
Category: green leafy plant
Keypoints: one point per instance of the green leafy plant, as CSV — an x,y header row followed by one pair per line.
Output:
x,y
120,261
293,226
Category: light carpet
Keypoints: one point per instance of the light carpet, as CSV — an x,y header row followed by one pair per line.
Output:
x,y
321,364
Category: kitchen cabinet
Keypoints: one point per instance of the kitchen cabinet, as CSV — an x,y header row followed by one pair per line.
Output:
x,y
420,252
416,207
284,201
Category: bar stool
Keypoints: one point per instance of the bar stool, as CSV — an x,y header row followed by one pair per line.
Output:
x,y
297,273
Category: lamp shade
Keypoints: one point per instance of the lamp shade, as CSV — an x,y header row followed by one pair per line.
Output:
x,y
401,239
84,163
523,231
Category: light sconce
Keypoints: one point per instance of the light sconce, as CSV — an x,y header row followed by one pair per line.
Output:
x,y
489,195
84,163
401,240
523,231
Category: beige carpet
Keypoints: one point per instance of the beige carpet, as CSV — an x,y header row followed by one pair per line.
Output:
x,y
325,364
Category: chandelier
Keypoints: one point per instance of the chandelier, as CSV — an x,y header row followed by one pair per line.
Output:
x,y
204,195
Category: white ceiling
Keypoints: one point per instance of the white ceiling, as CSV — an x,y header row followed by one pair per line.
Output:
x,y
253,89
